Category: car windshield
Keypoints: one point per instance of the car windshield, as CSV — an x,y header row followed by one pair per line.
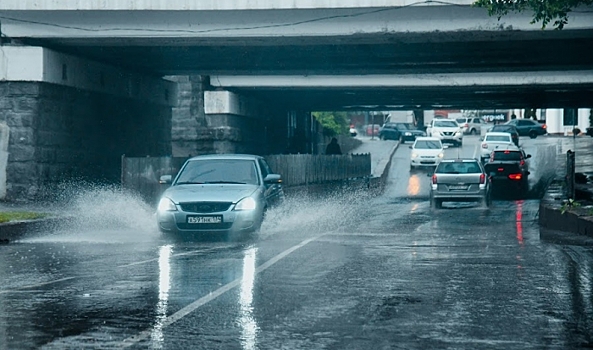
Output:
x,y
446,124
458,168
428,144
497,138
503,128
211,171
460,120
506,155
403,126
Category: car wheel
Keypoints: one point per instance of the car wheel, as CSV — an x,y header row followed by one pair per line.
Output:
x,y
532,134
436,203
474,132
401,140
411,167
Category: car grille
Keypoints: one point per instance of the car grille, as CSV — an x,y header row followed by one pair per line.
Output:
x,y
221,226
205,207
448,133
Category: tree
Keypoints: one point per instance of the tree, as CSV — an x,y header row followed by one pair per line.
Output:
x,y
333,123
544,11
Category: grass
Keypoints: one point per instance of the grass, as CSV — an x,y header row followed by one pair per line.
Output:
x,y
19,215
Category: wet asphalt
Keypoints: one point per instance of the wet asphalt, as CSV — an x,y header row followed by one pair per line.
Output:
x,y
347,271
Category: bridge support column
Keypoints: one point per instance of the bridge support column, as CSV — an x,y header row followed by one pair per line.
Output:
x,y
69,118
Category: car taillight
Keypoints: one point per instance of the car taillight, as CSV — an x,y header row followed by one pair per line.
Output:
x,y
434,178
544,126
522,162
515,176
482,178
466,125
484,145
500,170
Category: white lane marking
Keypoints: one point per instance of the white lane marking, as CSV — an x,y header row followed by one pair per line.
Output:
x,y
133,340
192,252
31,286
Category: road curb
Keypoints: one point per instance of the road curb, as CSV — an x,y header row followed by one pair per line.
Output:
x,y
13,230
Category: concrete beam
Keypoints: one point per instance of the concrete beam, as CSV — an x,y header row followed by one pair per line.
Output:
x,y
496,79
226,102
38,64
152,5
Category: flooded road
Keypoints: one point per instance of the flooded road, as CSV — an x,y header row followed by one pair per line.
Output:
x,y
348,271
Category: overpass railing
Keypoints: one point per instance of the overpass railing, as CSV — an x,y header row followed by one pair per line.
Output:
x,y
141,174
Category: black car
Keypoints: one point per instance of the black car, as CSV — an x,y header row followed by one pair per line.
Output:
x,y
509,170
528,127
400,131
511,129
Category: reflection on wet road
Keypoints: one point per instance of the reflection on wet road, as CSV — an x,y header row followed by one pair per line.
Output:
x,y
350,271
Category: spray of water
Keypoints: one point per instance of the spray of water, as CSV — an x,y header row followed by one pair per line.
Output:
x,y
336,211
103,213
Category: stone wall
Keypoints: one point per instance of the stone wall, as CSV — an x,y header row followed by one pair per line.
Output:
x,y
59,133
194,132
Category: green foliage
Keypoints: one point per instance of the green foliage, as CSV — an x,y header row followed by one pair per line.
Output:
x,y
569,204
544,11
18,216
333,123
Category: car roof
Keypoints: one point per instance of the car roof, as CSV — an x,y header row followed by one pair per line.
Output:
x,y
459,160
427,138
497,133
226,156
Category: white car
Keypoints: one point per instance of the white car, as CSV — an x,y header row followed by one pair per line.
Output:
x,y
446,130
426,152
495,140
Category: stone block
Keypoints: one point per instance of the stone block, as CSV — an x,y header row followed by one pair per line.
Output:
x,y
26,104
20,120
21,153
24,88
21,136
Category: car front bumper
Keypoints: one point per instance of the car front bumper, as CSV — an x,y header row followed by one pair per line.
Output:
x,y
232,221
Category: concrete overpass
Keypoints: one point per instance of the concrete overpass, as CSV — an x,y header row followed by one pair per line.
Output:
x,y
266,59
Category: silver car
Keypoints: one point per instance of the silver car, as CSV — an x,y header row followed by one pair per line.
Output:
x,y
460,180
226,194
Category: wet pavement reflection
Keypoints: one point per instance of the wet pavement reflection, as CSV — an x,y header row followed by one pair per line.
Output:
x,y
350,271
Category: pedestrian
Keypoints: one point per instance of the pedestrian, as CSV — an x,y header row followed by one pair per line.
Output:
x,y
333,147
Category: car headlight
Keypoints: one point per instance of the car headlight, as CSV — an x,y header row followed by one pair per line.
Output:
x,y
246,203
441,155
414,155
458,133
165,204
408,134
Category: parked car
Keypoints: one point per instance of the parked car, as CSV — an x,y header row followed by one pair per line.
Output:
x,y
220,193
528,127
472,125
460,180
447,130
400,131
495,140
511,129
426,152
509,170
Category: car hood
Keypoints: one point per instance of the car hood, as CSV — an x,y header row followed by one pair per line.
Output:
x,y
209,192
440,128
414,132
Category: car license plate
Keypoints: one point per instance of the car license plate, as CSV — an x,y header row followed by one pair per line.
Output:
x,y
217,219
458,187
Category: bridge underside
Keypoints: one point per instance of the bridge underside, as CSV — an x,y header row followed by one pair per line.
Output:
x,y
427,53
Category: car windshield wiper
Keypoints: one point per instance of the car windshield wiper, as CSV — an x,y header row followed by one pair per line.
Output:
x,y
189,183
226,182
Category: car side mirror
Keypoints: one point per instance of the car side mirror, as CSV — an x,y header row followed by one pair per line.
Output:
x,y
528,156
481,138
410,147
445,146
165,179
273,179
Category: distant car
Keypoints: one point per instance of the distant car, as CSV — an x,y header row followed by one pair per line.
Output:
x,y
372,130
509,170
511,129
224,194
426,152
472,125
528,127
494,140
400,131
460,180
447,130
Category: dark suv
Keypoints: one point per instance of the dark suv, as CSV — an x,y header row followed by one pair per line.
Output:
x,y
509,169
511,129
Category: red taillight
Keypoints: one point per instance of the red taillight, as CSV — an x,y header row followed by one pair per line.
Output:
x,y
515,176
467,125
522,162
544,126
500,170
507,151
434,178
484,145
482,178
